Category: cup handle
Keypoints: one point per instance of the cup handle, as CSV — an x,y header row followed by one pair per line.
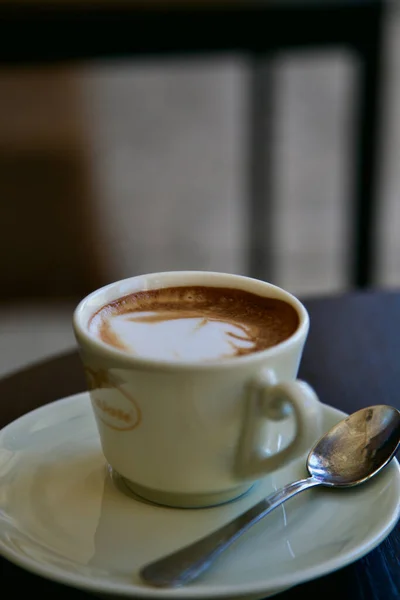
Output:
x,y
275,401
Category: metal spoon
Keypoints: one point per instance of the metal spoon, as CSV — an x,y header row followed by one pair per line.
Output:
x,y
350,453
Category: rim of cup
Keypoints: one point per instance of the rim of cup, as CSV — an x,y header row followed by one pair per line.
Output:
x,y
89,305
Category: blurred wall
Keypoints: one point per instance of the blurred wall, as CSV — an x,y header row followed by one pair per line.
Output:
x,y
48,211
115,169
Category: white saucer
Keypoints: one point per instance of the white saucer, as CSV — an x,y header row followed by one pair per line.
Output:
x,y
62,517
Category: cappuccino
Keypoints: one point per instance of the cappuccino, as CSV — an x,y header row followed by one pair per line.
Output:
x,y
194,323
186,372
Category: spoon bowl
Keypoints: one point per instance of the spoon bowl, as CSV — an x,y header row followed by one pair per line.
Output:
x,y
356,448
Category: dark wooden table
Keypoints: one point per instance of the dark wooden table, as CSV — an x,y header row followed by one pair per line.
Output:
x,y
352,359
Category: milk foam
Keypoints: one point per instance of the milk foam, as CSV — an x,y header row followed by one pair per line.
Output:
x,y
193,323
188,339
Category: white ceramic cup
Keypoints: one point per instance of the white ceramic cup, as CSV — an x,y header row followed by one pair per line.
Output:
x,y
197,434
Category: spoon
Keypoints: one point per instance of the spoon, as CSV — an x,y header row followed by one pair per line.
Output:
x,y
350,453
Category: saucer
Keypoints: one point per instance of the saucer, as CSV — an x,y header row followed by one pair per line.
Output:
x,y
63,517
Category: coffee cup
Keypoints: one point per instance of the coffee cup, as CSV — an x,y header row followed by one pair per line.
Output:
x,y
192,380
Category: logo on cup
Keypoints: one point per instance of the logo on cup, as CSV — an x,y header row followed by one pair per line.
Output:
x,y
113,405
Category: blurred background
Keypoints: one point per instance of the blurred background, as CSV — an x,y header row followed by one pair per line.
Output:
x,y
116,168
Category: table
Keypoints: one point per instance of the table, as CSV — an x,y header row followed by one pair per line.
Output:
x,y
71,30
352,359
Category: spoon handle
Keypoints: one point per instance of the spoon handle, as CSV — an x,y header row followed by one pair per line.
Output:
x,y
189,562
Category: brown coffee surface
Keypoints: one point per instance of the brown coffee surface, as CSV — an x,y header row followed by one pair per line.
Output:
x,y
263,322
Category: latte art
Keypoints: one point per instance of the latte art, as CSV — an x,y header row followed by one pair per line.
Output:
x,y
187,338
194,323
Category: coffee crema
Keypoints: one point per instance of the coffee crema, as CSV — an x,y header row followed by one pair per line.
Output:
x,y
194,323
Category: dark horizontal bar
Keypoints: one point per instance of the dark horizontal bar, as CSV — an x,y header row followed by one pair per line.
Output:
x,y
50,33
